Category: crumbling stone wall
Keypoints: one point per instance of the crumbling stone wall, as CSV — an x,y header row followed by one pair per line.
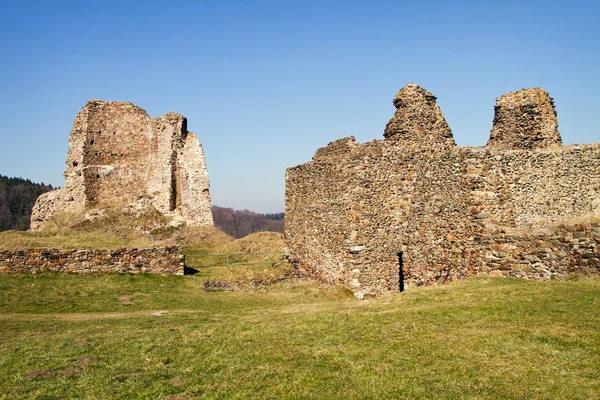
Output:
x,y
163,260
192,196
534,188
119,155
353,208
418,120
525,119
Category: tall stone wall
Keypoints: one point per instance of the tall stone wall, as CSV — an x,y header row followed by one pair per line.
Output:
x,y
116,141
355,207
119,155
192,196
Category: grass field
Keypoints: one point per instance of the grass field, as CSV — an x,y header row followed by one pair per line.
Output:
x,y
120,336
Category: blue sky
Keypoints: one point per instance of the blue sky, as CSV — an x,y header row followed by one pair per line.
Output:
x,y
266,83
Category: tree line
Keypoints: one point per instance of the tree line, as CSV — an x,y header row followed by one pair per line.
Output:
x,y
17,197
238,223
275,217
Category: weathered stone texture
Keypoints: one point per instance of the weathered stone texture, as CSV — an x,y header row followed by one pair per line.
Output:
x,y
192,183
418,120
163,260
452,212
553,254
168,144
119,155
525,119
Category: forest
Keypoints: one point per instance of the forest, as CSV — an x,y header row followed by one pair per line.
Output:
x,y
238,223
17,197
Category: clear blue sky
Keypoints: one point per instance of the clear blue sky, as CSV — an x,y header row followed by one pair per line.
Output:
x,y
266,83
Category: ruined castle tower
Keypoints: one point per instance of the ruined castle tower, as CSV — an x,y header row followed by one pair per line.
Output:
x,y
119,155
418,119
525,119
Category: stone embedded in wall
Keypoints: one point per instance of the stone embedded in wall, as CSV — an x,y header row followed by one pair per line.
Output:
x,y
525,119
418,119
160,260
119,155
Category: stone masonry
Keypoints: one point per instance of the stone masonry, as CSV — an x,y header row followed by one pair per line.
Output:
x,y
418,120
162,260
119,155
525,119
524,205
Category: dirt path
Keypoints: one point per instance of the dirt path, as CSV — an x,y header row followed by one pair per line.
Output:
x,y
92,316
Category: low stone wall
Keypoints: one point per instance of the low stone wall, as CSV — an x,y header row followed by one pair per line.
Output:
x,y
162,260
551,255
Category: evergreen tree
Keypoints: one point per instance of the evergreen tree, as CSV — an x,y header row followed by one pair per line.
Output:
x,y
17,197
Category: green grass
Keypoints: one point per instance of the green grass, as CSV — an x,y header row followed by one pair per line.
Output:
x,y
482,338
247,276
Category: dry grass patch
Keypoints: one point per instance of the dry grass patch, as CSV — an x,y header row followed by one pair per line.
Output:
x,y
115,227
201,245
111,229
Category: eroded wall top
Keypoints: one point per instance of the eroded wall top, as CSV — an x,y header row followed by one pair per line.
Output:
x,y
418,120
525,119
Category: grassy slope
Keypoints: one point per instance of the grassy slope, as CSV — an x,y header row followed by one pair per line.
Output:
x,y
116,229
480,338
68,231
213,241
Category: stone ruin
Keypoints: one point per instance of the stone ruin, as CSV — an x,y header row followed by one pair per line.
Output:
x,y
120,156
415,209
418,120
525,119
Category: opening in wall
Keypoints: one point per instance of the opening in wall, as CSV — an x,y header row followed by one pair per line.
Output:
x,y
400,272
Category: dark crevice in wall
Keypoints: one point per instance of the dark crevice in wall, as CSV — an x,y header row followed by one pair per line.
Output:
x,y
400,272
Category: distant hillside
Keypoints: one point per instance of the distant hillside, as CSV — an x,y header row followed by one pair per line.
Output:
x,y
241,223
17,197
